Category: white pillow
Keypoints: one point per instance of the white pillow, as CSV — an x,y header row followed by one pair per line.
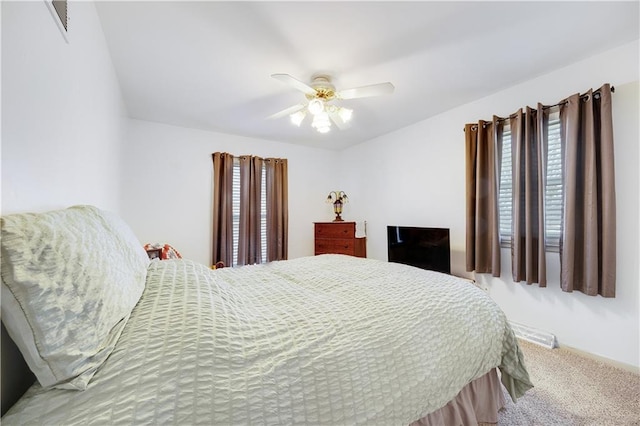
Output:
x,y
70,279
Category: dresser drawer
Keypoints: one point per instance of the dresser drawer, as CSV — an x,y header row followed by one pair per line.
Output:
x,y
339,238
337,246
335,230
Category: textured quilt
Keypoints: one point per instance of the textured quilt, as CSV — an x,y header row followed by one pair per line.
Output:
x,y
328,339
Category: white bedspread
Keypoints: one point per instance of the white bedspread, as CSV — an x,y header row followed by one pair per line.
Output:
x,y
319,340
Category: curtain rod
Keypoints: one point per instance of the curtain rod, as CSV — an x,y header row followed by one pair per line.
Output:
x,y
583,96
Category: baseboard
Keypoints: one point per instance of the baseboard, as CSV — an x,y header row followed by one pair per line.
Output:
x,y
604,360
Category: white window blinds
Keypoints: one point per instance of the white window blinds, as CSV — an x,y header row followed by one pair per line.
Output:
x,y
263,215
236,211
235,208
553,186
506,189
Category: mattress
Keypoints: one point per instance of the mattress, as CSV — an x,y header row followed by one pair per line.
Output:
x,y
328,339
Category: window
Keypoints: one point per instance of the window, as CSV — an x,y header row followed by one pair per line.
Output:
x,y
505,200
236,211
250,219
553,186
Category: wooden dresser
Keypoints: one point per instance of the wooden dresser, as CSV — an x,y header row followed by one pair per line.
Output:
x,y
339,238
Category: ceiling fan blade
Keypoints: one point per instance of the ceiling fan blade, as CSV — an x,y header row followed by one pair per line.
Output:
x,y
335,117
295,83
287,111
366,91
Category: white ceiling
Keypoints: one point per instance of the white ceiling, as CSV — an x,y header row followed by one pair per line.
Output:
x,y
207,65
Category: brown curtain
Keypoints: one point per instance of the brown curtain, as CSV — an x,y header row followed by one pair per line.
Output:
x,y
251,190
588,238
249,243
277,208
482,166
528,150
222,247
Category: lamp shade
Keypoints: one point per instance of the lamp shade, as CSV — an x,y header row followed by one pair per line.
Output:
x,y
316,106
345,114
321,122
297,117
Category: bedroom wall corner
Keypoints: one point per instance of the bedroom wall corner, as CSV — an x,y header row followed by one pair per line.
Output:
x,y
62,111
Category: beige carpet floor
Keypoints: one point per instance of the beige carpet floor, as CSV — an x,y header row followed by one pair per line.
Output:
x,y
572,390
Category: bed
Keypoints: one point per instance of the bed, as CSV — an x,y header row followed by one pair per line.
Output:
x,y
114,338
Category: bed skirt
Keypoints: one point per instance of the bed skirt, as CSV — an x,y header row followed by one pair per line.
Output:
x,y
478,402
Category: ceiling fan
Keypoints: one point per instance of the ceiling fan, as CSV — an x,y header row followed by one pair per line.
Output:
x,y
320,93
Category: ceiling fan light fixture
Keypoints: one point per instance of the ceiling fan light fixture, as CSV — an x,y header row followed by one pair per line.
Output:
x,y
297,117
316,106
321,122
345,114
320,93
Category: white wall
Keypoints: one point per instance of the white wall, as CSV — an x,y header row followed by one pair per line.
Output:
x,y
168,193
62,113
416,177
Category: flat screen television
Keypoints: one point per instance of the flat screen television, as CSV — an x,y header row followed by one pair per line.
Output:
x,y
426,248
